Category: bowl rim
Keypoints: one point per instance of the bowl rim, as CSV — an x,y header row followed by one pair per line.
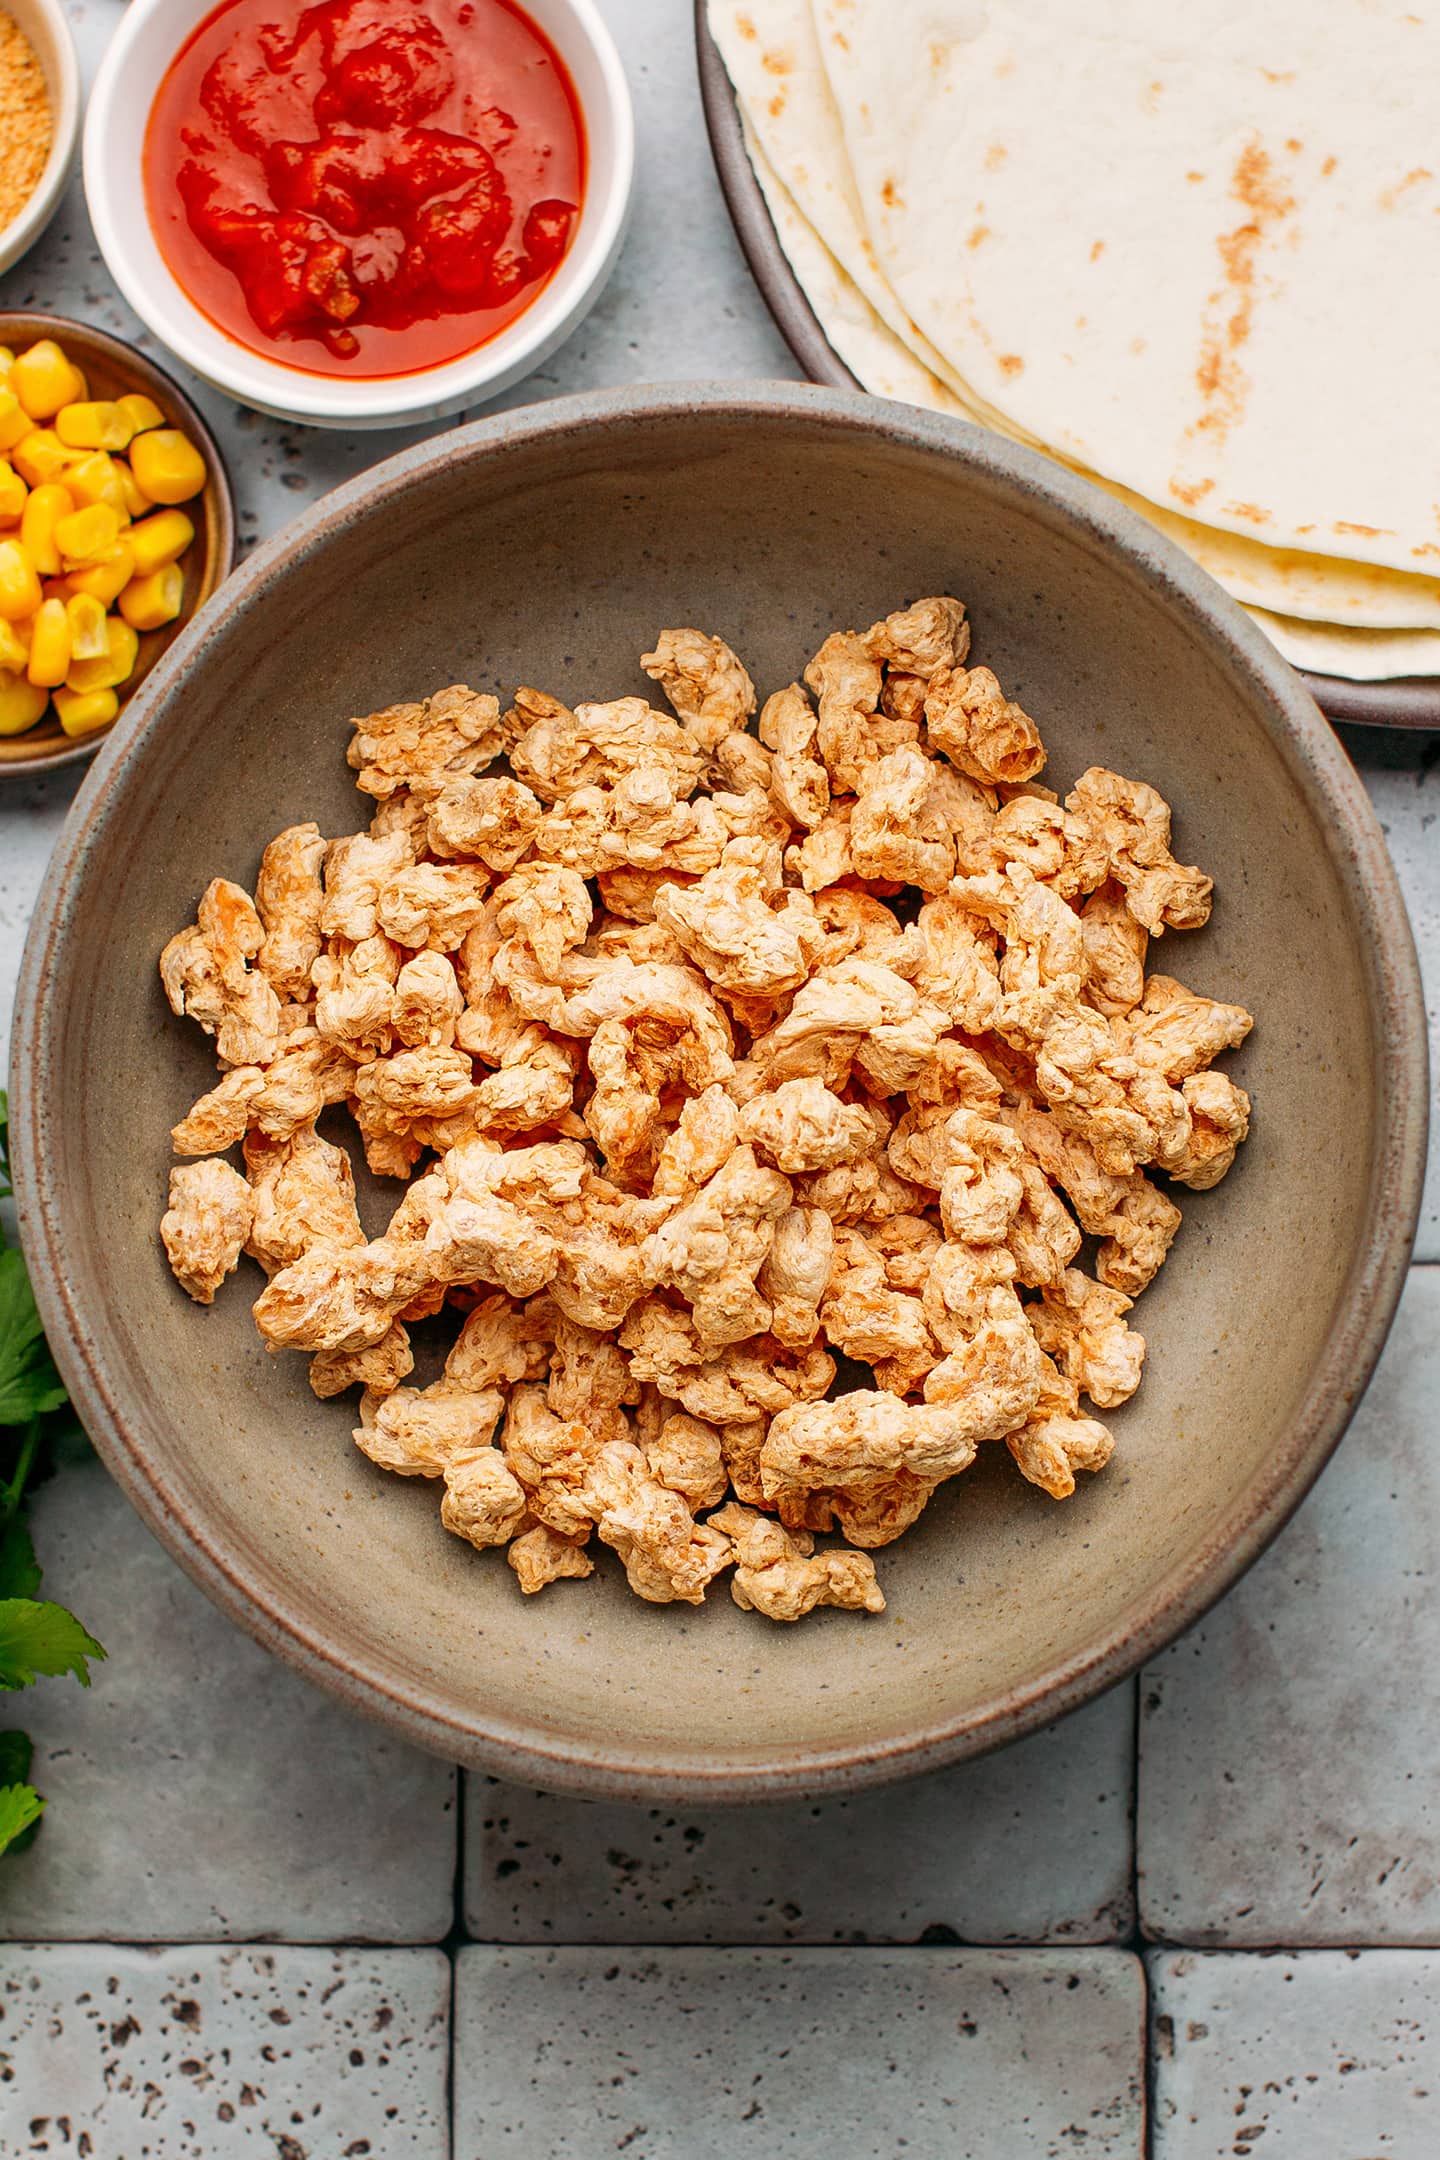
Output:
x,y
35,213
1397,701
180,407
311,400
1326,783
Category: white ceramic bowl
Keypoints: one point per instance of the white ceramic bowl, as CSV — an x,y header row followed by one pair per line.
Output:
x,y
146,41
44,24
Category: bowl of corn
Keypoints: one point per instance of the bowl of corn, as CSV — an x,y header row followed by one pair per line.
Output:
x,y
116,524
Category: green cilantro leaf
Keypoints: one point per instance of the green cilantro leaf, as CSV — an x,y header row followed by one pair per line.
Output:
x,y
38,1639
29,1383
15,1753
20,1809
19,1575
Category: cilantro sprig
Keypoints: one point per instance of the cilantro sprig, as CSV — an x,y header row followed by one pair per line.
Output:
x,y
37,1638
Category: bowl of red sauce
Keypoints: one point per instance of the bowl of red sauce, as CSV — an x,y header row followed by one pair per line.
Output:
x,y
359,213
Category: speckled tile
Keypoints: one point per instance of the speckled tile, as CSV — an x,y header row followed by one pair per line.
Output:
x,y
1402,773
1332,2055
699,2054
1030,1845
1289,1786
200,1790
194,2054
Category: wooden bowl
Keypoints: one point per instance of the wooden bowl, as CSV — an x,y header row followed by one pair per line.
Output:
x,y
549,546
1409,701
113,370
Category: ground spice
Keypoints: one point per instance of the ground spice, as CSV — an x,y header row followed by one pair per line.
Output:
x,y
25,123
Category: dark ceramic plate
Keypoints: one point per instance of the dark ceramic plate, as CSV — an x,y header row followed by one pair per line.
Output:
x,y
1407,702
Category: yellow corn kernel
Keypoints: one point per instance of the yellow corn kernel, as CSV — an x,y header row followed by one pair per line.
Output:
x,y
136,501
82,711
7,361
47,505
41,456
148,603
160,539
12,493
21,703
142,412
86,535
96,479
167,465
14,651
98,425
44,380
115,666
106,579
89,637
50,646
20,593
15,422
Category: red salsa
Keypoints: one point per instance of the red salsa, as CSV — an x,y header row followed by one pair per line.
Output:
x,y
364,187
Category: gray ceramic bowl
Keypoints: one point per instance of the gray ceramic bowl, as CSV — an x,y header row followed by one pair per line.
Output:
x,y
549,545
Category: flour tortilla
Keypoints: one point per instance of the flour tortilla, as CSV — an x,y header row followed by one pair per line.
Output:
x,y
871,351
1358,655
1254,345
773,59
1312,587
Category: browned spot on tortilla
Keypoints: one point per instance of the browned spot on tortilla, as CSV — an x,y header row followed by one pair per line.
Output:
x,y
1220,378
1010,363
1328,167
1137,345
1304,528
1190,492
746,28
1426,547
891,197
1097,250
1367,532
1252,511
995,156
779,62
1293,146
1278,74
1391,195
838,37
937,55
978,235
777,104
1004,68
1194,178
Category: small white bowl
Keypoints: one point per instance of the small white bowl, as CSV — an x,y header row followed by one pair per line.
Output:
x,y
149,36
44,24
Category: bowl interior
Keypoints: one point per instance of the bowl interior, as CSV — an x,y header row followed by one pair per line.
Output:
x,y
112,371
144,45
539,552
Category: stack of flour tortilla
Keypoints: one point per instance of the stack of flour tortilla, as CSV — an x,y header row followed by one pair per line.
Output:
x,y
1193,253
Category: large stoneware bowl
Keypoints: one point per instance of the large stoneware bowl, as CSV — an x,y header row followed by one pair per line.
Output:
x,y
549,546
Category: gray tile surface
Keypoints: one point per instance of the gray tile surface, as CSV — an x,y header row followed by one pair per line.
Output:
x,y
1031,1845
200,1790
699,2054
1402,773
1326,2056
1290,1746
223,2054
